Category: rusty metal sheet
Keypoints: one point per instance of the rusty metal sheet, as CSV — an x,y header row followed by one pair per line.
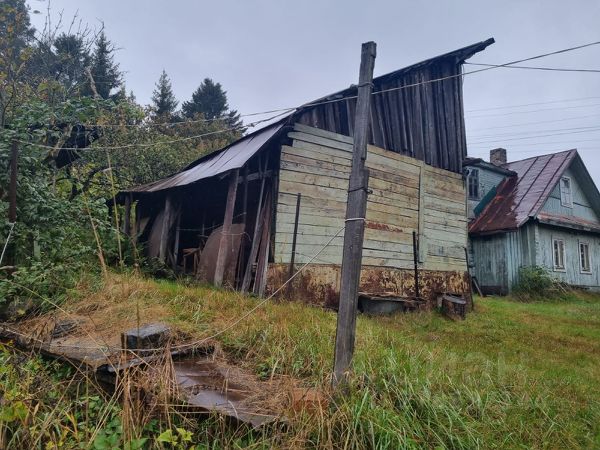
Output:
x,y
319,283
520,197
229,158
569,221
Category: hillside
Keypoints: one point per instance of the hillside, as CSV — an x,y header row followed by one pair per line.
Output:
x,y
512,374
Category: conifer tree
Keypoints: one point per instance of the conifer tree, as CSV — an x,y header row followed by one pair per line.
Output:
x,y
164,102
105,71
210,100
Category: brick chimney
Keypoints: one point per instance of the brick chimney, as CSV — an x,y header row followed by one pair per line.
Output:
x,y
498,156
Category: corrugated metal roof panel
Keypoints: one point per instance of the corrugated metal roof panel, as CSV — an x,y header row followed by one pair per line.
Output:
x,y
232,157
522,196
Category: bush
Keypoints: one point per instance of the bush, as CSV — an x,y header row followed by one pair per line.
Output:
x,y
536,283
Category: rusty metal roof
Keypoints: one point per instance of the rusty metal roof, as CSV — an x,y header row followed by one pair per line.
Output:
x,y
569,221
519,198
232,157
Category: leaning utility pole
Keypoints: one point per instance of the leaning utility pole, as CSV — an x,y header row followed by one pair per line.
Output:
x,y
356,209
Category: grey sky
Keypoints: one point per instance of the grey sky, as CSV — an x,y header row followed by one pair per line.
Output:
x,y
270,54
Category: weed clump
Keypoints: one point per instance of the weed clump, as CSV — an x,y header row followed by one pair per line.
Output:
x,y
535,283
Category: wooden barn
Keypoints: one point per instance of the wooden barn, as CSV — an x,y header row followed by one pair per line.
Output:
x,y
247,215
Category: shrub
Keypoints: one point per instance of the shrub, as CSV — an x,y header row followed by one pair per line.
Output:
x,y
536,283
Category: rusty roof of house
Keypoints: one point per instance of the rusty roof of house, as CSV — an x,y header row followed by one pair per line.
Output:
x,y
519,198
569,221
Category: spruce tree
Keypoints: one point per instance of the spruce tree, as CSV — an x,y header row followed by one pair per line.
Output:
x,y
164,102
210,100
105,71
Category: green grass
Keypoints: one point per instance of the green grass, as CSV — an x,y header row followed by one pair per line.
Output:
x,y
512,375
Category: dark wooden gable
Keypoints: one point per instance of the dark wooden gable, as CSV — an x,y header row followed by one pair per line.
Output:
x,y
421,120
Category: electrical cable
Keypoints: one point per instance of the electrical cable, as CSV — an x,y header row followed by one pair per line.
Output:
x,y
199,341
10,231
553,69
318,103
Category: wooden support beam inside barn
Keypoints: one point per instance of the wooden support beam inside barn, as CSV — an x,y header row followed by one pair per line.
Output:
x,y
225,246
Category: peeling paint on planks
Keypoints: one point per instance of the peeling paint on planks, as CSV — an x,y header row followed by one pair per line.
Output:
x,y
319,283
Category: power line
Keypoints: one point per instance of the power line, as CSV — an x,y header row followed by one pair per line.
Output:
x,y
553,69
309,105
556,52
533,104
184,122
596,129
533,111
318,103
569,142
500,135
536,123
152,144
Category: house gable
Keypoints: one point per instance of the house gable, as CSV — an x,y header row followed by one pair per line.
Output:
x,y
581,205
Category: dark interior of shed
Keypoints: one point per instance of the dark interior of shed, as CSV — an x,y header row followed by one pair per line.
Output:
x,y
186,227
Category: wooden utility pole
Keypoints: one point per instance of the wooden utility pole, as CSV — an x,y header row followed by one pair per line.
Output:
x,y
356,209
224,245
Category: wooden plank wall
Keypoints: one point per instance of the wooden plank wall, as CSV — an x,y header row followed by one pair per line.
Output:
x,y
406,195
410,117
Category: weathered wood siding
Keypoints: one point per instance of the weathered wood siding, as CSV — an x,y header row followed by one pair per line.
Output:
x,y
572,273
423,121
489,259
499,257
406,195
581,205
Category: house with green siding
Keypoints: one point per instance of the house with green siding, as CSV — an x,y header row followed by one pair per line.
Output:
x,y
540,211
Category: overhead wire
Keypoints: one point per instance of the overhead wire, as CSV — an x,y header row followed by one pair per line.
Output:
x,y
565,100
516,133
596,129
195,343
153,144
480,146
552,69
522,124
532,111
323,102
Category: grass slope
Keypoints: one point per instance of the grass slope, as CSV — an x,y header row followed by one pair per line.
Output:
x,y
511,375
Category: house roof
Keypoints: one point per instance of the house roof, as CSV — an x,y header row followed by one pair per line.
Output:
x,y
519,198
238,153
569,221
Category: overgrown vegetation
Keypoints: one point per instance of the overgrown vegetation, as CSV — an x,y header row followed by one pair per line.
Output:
x,y
80,139
536,283
511,375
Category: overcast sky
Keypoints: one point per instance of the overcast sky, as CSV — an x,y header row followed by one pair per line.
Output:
x,y
273,53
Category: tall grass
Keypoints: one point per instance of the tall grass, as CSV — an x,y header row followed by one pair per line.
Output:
x,y
511,375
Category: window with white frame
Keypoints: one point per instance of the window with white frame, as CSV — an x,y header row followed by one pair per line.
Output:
x,y
473,184
584,257
566,193
558,254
